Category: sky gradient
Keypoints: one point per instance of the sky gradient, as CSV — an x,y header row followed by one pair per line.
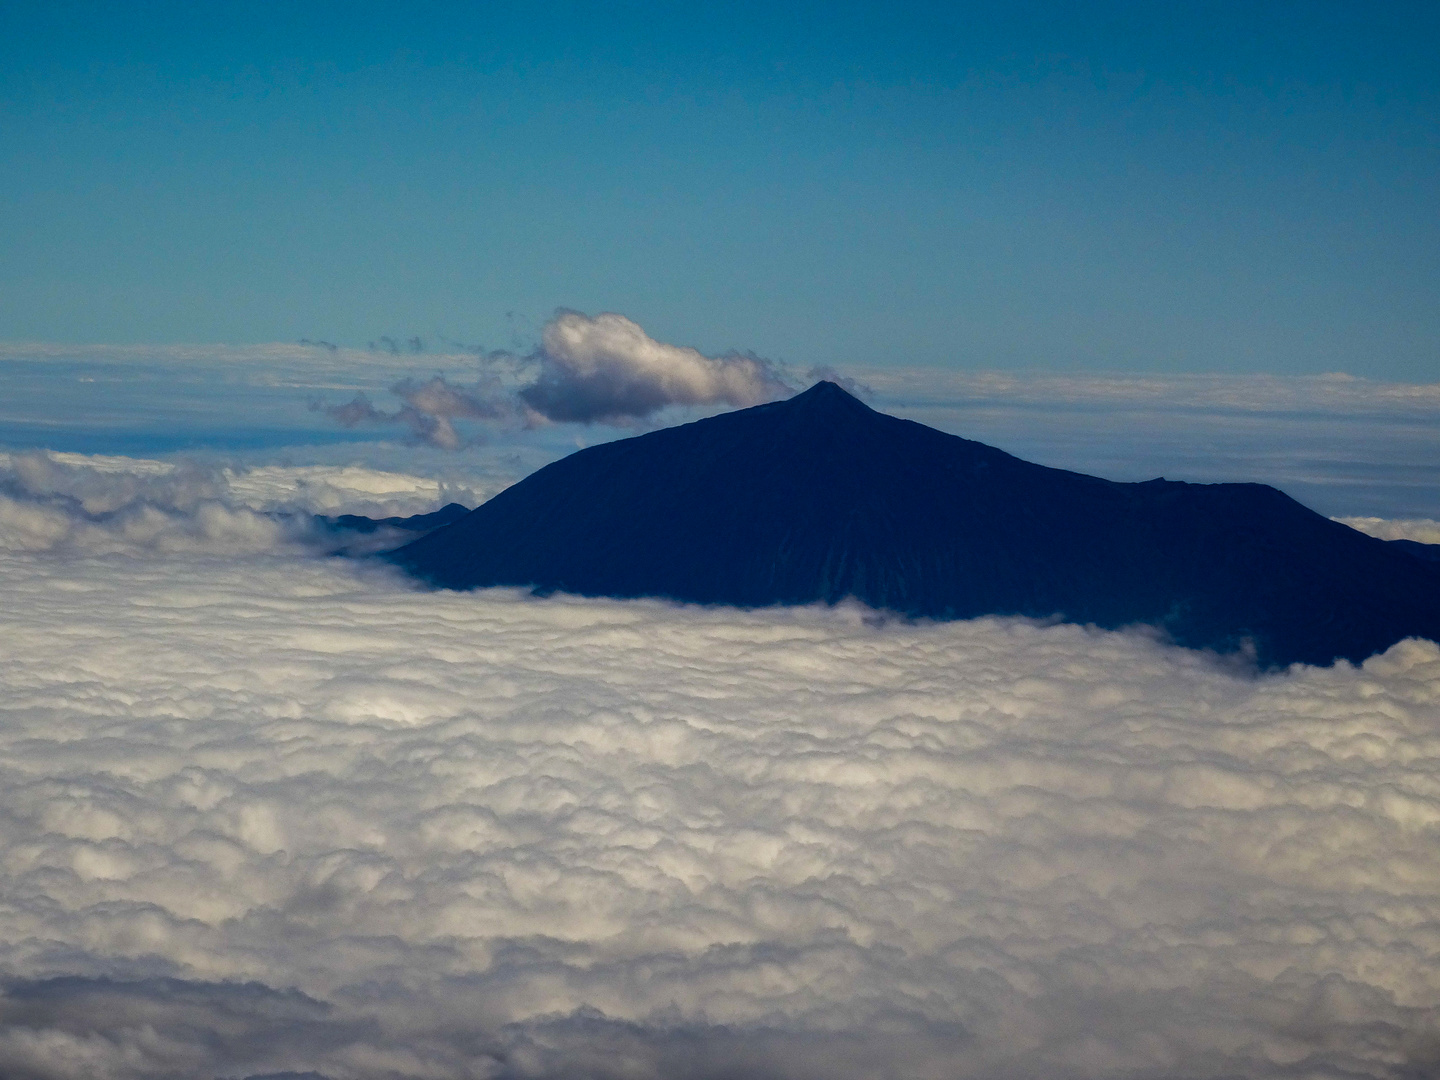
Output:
x,y
1226,188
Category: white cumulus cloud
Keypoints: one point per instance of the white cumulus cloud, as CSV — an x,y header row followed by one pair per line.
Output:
x,y
292,815
601,369
606,368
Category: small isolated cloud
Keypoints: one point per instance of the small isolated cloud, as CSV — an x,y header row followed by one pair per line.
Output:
x,y
430,410
606,369
431,407
355,412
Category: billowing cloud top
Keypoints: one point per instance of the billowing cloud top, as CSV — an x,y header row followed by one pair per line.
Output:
x,y
604,369
293,817
608,369
266,813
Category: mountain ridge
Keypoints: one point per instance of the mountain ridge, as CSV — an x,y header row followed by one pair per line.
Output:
x,y
819,498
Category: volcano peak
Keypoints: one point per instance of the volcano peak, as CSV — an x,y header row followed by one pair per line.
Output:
x,y
820,497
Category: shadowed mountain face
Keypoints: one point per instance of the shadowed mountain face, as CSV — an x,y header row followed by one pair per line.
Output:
x,y
415,523
820,498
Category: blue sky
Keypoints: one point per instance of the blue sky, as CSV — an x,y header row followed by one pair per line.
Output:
x,y
1221,187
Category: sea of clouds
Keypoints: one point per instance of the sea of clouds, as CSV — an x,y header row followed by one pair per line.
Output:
x,y
268,813
109,504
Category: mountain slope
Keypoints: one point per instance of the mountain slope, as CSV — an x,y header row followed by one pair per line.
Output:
x,y
820,497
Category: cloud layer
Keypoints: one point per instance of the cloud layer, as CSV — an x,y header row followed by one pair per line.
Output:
x,y
1422,530
78,504
288,815
1342,445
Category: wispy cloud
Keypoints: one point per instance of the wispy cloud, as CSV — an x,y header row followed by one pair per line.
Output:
x,y
430,409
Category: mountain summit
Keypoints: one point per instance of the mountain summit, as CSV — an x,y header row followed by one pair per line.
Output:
x,y
820,497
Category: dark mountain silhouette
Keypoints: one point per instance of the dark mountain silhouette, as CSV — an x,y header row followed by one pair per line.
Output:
x,y
356,535
820,498
1428,552
446,515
